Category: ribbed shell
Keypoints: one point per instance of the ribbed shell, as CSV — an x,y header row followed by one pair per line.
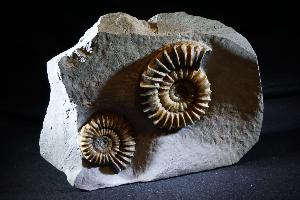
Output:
x,y
175,90
106,139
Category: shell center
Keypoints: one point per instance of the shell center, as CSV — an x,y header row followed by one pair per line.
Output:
x,y
102,143
182,91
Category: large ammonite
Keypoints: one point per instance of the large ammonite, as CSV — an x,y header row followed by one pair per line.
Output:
x,y
106,139
176,91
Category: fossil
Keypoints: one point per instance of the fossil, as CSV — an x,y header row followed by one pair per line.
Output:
x,y
175,90
106,139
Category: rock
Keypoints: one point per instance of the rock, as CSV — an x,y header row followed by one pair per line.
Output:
x,y
102,72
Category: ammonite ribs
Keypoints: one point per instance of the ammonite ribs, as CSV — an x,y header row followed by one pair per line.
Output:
x,y
176,92
106,139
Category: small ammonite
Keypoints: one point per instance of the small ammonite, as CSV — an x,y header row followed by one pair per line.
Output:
x,y
175,90
107,139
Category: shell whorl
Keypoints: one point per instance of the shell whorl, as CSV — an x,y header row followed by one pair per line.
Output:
x,y
175,91
106,139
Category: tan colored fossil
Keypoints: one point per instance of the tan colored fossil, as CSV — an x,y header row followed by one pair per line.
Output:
x,y
176,91
106,139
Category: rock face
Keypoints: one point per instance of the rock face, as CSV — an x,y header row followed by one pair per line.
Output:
x,y
103,72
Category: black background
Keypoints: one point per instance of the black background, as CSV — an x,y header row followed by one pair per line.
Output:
x,y
36,32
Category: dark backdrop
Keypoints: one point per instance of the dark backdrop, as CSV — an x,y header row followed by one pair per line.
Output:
x,y
36,32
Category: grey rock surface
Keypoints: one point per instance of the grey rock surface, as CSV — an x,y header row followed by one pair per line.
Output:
x,y
102,73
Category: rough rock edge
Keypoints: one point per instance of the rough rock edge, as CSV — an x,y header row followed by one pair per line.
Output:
x,y
151,27
62,104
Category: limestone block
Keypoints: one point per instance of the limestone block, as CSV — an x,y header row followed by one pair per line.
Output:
x,y
103,72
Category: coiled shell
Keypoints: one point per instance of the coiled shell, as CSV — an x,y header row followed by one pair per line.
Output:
x,y
106,139
175,91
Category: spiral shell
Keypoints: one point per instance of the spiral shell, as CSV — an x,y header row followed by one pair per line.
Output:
x,y
175,91
106,139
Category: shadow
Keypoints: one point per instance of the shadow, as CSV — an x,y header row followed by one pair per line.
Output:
x,y
87,164
231,80
120,95
107,169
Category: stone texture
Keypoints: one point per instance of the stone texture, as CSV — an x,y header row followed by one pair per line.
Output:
x,y
102,73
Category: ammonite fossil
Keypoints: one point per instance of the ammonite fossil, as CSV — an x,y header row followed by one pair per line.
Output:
x,y
106,139
175,89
